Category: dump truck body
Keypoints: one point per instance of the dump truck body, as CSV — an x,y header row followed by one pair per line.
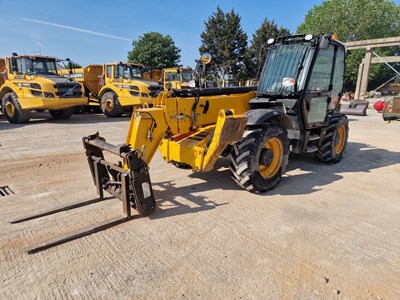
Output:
x,y
32,83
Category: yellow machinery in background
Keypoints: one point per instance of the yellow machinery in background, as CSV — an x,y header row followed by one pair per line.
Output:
x,y
116,87
32,82
172,78
177,78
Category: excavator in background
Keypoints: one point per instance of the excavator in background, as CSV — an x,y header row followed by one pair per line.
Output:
x,y
294,109
32,82
115,87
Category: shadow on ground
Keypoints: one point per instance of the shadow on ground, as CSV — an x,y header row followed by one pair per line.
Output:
x,y
312,174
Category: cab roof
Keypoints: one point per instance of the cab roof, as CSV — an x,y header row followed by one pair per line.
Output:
x,y
32,56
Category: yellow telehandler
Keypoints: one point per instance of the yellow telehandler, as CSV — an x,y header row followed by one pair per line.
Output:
x,y
293,109
32,82
116,87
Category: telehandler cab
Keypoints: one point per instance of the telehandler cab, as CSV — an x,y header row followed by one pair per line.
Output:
x,y
293,110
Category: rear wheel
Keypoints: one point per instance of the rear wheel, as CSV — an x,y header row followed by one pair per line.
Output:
x,y
62,114
110,105
333,144
259,160
13,111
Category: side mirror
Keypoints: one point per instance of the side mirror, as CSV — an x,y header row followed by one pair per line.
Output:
x,y
168,86
324,42
205,58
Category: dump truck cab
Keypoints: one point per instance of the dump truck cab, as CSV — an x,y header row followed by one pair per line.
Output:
x,y
177,78
32,82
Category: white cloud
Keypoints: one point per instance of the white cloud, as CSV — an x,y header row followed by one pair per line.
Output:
x,y
76,29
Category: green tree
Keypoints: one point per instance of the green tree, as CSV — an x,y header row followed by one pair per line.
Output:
x,y
224,38
356,20
257,52
155,51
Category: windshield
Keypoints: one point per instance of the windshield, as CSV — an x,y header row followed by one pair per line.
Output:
x,y
172,76
35,66
284,61
186,75
128,71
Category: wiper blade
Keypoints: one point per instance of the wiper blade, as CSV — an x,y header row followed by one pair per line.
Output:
x,y
265,93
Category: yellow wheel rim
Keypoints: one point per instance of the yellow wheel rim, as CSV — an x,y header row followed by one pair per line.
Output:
x,y
10,109
340,139
270,170
109,105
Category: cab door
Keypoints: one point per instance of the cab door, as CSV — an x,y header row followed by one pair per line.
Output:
x,y
324,85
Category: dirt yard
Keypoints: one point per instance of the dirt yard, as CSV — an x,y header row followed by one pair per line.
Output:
x,y
326,232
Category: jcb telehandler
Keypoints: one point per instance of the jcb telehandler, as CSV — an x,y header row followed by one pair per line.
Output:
x,y
293,110
116,87
32,82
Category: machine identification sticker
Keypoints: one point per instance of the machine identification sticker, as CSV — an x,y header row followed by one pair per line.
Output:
x,y
146,190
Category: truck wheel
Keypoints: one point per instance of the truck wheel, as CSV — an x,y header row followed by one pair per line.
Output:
x,y
62,114
13,111
259,160
333,144
78,109
110,105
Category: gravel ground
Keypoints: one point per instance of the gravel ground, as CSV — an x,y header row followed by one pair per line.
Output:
x,y
326,232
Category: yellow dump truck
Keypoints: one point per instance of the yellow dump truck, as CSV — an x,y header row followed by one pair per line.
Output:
x,y
178,78
32,82
116,87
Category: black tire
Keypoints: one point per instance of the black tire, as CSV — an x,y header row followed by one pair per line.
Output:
x,y
13,111
78,109
259,160
334,142
110,105
62,114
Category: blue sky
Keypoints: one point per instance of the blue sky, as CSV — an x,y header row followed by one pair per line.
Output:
x,y
96,32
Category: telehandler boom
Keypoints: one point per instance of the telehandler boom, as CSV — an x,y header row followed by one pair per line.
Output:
x,y
293,109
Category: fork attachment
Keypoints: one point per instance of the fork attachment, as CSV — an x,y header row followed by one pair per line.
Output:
x,y
128,180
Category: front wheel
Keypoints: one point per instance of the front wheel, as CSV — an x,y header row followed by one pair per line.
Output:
x,y
259,160
13,111
333,143
62,114
110,105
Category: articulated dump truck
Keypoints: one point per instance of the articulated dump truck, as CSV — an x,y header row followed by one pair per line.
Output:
x,y
116,87
31,82
177,78
293,109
